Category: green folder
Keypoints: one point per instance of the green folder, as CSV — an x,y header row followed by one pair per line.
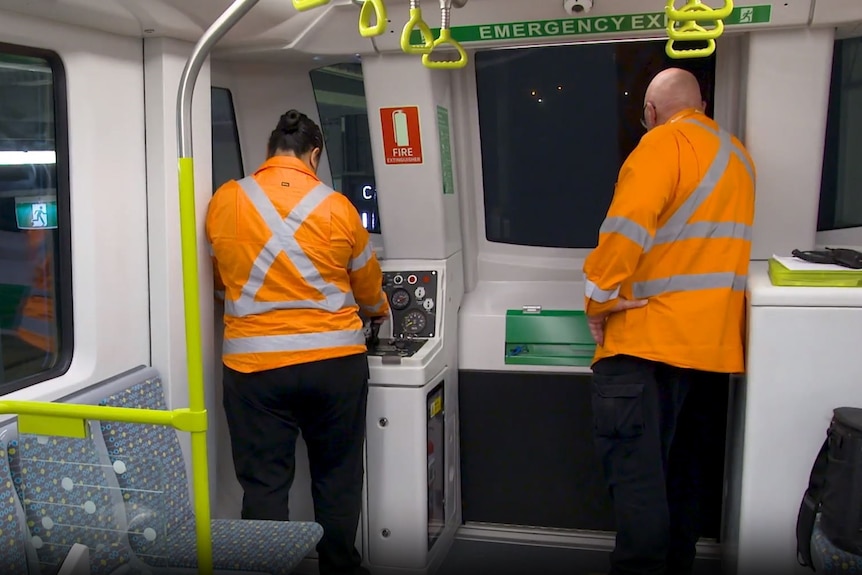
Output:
x,y
827,276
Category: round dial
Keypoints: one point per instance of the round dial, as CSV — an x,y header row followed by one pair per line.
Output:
x,y
399,298
414,322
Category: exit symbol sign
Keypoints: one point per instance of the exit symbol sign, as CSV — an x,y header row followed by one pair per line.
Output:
x,y
402,139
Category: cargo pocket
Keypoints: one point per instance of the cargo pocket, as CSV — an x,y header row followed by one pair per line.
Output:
x,y
618,406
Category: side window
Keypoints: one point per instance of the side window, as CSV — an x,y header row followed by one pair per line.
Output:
x,y
556,125
35,242
227,155
340,94
841,179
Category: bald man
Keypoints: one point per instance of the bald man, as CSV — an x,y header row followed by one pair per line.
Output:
x,y
664,298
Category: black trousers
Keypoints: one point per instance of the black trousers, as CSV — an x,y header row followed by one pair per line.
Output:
x,y
649,437
326,400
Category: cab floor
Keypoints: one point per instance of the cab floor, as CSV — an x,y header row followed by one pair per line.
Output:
x,y
474,557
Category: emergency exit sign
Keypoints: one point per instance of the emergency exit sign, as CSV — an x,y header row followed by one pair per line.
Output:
x,y
612,24
402,139
36,213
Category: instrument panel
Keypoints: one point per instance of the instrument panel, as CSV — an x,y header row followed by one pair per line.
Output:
x,y
413,299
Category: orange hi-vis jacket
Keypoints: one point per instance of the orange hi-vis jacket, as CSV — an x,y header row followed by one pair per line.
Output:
x,y
678,234
294,265
38,325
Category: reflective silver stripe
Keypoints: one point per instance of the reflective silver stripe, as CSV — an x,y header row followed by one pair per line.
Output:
x,y
675,226
359,261
735,149
689,282
283,240
376,307
598,294
37,326
708,230
627,228
294,342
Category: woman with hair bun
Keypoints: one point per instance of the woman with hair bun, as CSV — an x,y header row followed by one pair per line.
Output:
x,y
295,268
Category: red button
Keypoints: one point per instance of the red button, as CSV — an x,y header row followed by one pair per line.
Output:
x,y
426,279
411,279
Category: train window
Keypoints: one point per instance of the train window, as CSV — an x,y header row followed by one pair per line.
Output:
x,y
227,155
556,124
340,94
841,178
35,240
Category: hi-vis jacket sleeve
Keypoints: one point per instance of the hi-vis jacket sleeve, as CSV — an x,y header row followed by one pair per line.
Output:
x,y
366,277
217,213
218,284
646,184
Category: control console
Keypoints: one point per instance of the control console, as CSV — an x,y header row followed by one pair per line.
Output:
x,y
412,299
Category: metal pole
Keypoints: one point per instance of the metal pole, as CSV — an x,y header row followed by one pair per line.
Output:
x,y
193,67
191,288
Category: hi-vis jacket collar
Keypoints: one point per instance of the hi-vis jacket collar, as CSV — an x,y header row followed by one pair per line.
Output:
x,y
287,162
687,113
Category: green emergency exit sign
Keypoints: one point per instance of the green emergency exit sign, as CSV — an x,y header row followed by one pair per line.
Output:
x,y
615,24
36,213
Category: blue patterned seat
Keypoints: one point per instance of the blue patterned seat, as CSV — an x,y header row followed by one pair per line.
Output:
x,y
66,500
828,558
150,471
16,556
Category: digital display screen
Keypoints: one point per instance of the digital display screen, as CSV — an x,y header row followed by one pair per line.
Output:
x,y
363,195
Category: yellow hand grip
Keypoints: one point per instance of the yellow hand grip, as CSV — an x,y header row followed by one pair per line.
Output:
x,y
696,10
416,22
371,8
303,5
694,53
445,38
693,31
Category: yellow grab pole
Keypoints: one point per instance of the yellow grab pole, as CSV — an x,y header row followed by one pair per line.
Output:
x,y
191,295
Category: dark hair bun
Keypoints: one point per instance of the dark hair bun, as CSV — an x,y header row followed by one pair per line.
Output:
x,y
290,122
296,133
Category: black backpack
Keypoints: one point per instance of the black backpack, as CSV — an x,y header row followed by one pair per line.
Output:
x,y
835,488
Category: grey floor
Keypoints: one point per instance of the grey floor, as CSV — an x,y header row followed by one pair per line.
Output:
x,y
478,557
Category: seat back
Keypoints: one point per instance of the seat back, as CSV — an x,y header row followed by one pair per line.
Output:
x,y
68,498
17,554
147,460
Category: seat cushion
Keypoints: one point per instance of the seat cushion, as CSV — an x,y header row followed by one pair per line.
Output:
x,y
828,558
273,547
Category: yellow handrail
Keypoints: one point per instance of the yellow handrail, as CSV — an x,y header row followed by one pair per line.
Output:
x,y
303,5
445,38
416,22
377,9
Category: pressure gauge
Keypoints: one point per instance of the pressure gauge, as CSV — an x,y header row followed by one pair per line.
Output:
x,y
399,299
414,322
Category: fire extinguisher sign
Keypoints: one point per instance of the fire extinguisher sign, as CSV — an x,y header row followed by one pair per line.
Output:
x,y
402,140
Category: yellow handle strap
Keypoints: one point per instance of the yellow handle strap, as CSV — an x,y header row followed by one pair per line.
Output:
x,y
416,22
445,38
377,9
690,53
696,10
692,31
303,5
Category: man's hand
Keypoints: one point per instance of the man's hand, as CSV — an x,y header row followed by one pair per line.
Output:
x,y
597,322
378,320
